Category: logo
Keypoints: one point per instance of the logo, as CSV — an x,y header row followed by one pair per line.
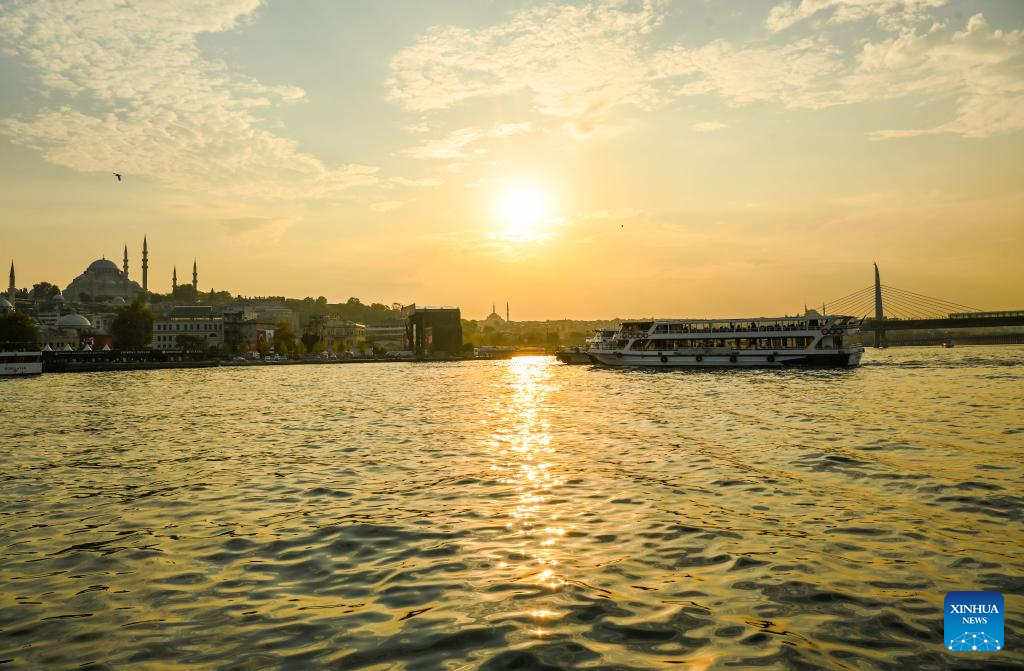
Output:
x,y
974,621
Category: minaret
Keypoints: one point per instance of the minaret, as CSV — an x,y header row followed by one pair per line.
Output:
x,y
506,312
195,277
145,270
124,265
174,279
11,291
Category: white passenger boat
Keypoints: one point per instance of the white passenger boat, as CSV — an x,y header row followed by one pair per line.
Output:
x,y
809,340
14,363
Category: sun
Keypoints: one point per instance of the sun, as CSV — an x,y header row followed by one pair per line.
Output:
x,y
523,211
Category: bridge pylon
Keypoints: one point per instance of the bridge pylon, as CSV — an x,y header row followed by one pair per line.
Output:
x,y
880,340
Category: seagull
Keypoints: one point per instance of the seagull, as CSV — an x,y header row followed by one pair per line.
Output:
x,y
118,175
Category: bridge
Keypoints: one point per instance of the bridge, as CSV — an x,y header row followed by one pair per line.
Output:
x,y
885,308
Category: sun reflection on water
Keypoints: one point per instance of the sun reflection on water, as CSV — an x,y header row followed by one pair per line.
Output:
x,y
526,462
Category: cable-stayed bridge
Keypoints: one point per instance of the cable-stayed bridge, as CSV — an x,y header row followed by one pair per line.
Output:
x,y
886,308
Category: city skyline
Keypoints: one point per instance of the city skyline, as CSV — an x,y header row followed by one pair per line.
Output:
x,y
586,161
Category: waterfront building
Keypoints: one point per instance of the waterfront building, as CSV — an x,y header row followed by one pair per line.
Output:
x,y
257,333
268,311
434,330
390,336
200,321
338,334
71,331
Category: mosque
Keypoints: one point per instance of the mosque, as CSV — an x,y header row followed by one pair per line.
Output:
x,y
103,282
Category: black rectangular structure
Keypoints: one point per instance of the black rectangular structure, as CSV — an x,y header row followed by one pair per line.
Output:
x,y
434,330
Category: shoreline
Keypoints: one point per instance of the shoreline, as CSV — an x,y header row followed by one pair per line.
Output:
x,y
107,367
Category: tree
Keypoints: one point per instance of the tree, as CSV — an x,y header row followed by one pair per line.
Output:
x,y
184,293
44,291
309,340
284,337
189,341
18,327
132,328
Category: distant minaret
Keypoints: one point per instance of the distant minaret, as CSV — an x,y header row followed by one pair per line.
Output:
x,y
494,308
195,277
145,269
506,312
11,291
174,279
124,265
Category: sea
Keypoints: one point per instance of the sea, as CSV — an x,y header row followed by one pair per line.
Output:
x,y
519,514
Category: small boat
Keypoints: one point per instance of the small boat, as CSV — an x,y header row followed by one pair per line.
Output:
x,y
947,343
572,356
494,352
575,356
759,342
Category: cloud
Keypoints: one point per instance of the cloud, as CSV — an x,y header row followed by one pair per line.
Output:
x,y
576,63
386,205
455,144
421,183
137,97
981,67
257,229
797,74
709,126
889,13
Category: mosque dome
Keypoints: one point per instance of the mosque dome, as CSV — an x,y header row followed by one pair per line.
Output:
x,y
73,322
102,282
102,264
5,304
117,300
59,298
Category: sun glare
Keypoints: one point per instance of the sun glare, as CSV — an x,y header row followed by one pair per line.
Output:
x,y
523,209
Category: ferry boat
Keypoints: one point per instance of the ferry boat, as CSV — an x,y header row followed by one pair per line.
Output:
x,y
14,363
808,340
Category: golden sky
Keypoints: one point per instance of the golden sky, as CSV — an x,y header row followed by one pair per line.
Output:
x,y
584,160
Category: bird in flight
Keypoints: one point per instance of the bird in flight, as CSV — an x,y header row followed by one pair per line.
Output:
x,y
118,175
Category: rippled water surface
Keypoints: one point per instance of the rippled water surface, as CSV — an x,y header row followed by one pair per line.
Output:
x,y
511,515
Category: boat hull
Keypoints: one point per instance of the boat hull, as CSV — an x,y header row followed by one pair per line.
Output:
x,y
573,358
840,359
18,369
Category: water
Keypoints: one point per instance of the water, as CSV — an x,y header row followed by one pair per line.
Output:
x,y
511,515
